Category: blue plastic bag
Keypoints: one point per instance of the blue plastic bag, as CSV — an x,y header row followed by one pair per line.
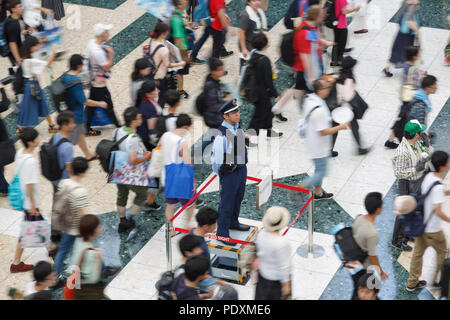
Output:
x,y
179,183
15,196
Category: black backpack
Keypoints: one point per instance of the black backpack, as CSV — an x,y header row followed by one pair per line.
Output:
x,y
19,82
160,127
346,246
49,160
249,83
413,224
287,47
153,67
200,104
165,283
331,99
105,148
293,12
4,45
330,19
59,91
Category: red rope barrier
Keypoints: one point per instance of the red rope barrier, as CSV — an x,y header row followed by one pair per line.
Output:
x,y
212,236
298,215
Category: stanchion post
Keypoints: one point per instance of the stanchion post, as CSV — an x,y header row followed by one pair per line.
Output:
x,y
168,246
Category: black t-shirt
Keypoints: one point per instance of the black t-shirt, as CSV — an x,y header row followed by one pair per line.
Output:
x,y
182,291
13,31
250,28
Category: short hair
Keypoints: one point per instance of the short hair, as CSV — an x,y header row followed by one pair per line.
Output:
x,y
439,159
183,120
172,97
64,118
42,270
214,64
25,50
75,61
176,2
410,52
373,201
12,4
188,243
259,41
27,135
313,2
196,266
364,281
88,224
317,85
206,216
79,165
130,114
313,12
408,135
428,81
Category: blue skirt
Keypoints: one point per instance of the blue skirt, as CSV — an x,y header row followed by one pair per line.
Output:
x,y
402,41
31,109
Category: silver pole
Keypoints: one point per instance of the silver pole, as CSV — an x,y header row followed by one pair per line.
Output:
x,y
168,246
316,250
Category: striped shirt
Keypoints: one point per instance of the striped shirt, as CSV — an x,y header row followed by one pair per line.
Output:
x,y
406,158
78,200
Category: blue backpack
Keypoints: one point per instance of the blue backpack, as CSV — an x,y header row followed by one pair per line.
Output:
x,y
413,224
201,13
15,195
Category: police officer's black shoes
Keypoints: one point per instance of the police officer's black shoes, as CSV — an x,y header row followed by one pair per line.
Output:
x,y
231,244
240,227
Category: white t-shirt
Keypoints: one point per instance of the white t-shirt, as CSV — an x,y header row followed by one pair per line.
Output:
x,y
131,144
169,144
320,119
30,288
31,15
33,67
29,174
98,57
274,255
437,196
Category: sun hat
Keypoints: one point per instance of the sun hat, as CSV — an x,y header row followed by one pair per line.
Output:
x,y
404,205
276,218
100,28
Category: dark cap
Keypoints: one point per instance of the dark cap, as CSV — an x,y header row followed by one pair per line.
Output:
x,y
229,106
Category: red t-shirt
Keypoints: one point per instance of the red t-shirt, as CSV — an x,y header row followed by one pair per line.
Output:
x,y
301,45
214,7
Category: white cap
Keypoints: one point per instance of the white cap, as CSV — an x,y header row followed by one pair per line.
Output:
x,y
101,28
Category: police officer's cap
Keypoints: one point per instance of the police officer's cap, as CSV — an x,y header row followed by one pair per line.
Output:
x,y
229,106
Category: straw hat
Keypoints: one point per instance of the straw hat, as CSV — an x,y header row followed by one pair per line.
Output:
x,y
404,205
276,218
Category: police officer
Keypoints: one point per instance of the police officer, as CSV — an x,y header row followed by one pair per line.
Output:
x,y
229,159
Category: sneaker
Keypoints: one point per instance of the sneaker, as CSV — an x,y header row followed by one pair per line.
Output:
x,y
227,54
334,154
361,31
199,203
362,151
335,64
274,134
347,50
323,196
126,224
183,94
387,73
198,61
52,253
93,133
21,267
151,207
402,246
390,144
280,117
421,284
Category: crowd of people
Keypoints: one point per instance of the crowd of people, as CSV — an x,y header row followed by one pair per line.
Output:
x,y
154,133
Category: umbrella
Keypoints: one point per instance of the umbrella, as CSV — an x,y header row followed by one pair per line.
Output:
x,y
161,9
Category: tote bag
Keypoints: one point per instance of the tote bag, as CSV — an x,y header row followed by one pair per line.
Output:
x,y
128,174
179,183
359,106
34,232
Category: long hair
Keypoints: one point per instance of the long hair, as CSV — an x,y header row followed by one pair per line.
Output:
x,y
147,87
29,43
139,65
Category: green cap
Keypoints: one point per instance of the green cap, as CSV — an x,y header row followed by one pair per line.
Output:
x,y
414,126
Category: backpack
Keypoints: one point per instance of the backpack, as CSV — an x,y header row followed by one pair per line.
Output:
x,y
413,224
200,104
153,67
345,245
287,46
331,100
61,211
201,13
19,82
4,46
303,124
60,93
104,150
15,196
49,160
249,83
331,20
160,127
293,13
165,283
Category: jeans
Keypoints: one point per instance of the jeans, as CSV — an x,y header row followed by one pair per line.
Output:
x,y
320,169
218,42
65,246
3,183
200,43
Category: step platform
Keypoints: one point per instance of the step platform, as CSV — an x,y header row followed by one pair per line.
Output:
x,y
225,263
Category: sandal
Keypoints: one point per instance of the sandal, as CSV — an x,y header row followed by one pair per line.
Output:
x,y
52,128
93,158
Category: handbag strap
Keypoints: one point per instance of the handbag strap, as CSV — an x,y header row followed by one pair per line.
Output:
x,y
426,195
178,150
309,114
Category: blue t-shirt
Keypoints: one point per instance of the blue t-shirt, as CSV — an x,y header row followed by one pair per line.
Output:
x,y
204,247
65,155
148,111
76,98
